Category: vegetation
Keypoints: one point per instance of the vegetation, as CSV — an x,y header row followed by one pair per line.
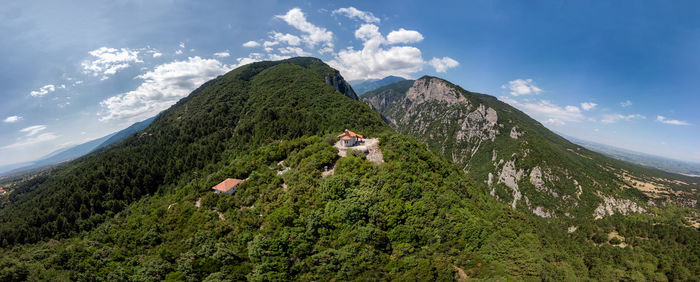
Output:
x,y
416,216
460,132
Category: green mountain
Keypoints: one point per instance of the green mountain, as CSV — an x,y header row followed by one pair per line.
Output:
x,y
143,208
522,162
363,86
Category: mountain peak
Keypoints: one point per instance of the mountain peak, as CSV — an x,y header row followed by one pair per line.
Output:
x,y
429,88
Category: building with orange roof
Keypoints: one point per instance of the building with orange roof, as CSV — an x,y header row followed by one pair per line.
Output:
x,y
349,138
227,186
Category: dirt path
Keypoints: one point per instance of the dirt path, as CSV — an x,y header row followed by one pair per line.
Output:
x,y
369,146
462,275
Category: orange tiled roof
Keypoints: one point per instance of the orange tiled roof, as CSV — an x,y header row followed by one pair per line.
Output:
x,y
227,184
349,133
347,138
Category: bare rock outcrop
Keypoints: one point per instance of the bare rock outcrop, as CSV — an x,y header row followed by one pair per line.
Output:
x,y
610,206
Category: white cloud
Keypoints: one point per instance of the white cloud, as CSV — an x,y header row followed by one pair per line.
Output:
x,y
178,52
77,82
12,119
287,38
161,87
374,61
522,87
23,142
110,60
314,35
353,13
613,118
251,44
157,54
46,89
626,104
33,130
587,106
547,110
221,54
404,36
252,58
554,122
182,45
442,65
293,50
663,119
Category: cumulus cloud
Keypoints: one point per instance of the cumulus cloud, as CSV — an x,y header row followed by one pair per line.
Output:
x,y
251,44
613,118
441,65
626,104
33,130
157,54
12,119
353,13
46,89
404,36
314,35
587,106
663,119
377,58
522,87
293,50
548,110
161,87
178,52
107,61
284,38
221,54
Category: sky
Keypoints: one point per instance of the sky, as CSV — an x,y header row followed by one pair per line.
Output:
x,y
622,73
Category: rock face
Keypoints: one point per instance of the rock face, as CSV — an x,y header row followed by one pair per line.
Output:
x,y
521,162
339,83
510,177
610,206
429,89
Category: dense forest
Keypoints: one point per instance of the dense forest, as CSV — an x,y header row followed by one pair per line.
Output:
x,y
143,209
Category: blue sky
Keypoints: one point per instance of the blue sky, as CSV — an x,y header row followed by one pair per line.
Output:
x,y
623,74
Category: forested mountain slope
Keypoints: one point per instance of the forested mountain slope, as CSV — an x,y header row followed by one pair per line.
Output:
x,y
522,162
231,114
143,209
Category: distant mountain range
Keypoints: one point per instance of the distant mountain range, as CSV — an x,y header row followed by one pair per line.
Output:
x,y
70,153
658,162
363,86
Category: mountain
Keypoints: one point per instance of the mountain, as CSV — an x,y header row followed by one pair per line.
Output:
x,y
646,160
362,86
70,153
144,209
228,115
58,156
124,133
522,162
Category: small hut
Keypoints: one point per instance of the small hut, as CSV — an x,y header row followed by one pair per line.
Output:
x,y
227,186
